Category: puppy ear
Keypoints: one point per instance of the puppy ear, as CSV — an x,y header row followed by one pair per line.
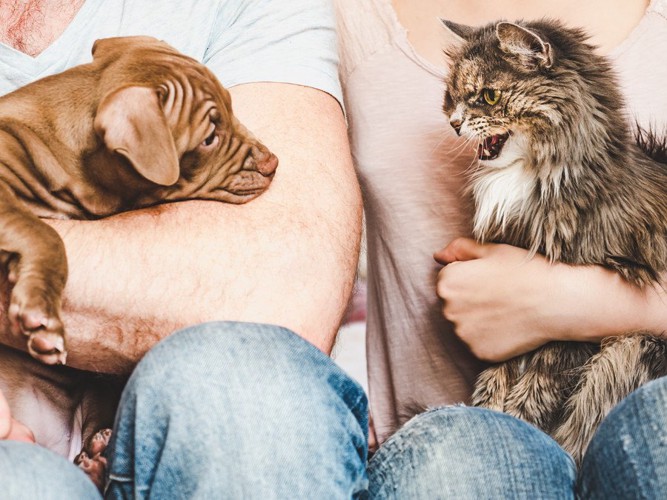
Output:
x,y
131,123
527,45
113,46
105,48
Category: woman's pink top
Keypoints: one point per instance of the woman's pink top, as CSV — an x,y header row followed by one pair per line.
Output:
x,y
411,167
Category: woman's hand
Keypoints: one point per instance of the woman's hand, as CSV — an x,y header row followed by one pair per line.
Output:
x,y
12,429
503,303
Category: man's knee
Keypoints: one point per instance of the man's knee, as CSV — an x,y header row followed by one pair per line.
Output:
x,y
244,368
28,471
235,398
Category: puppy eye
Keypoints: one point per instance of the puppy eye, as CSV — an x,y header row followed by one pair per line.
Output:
x,y
210,139
491,96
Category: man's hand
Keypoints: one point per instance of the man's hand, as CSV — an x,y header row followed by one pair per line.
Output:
x,y
12,429
503,303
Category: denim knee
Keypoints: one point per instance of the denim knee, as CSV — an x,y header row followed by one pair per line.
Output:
x,y
253,406
28,471
627,457
464,452
262,366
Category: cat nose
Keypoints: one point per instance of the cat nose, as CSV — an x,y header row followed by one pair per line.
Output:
x,y
456,124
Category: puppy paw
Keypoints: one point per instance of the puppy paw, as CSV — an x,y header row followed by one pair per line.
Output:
x,y
91,459
95,468
36,317
48,347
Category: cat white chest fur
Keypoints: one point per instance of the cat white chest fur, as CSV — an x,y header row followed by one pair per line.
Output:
x,y
501,187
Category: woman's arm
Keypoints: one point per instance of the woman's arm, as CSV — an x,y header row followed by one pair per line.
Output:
x,y
504,304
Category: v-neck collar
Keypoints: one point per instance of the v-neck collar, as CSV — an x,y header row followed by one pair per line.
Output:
x,y
402,41
58,49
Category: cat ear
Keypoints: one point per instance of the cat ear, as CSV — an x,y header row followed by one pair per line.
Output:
x,y
460,31
532,51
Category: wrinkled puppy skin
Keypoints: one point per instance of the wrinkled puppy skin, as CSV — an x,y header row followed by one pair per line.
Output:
x,y
139,126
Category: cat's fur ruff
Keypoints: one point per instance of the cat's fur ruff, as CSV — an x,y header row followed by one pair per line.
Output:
x,y
570,182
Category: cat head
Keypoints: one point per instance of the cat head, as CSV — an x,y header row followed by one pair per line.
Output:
x,y
533,92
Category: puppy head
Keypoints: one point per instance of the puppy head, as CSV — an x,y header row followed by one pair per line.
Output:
x,y
172,121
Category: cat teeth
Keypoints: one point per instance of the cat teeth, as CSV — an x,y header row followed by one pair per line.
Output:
x,y
487,152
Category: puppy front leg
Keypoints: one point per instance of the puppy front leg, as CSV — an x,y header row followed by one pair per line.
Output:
x,y
98,408
35,257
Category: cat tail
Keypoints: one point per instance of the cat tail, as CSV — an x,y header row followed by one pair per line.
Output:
x,y
654,145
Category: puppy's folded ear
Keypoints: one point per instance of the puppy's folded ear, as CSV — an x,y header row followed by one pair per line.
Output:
x,y
131,123
108,48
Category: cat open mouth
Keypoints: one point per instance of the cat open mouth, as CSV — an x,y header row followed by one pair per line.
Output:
x,y
491,146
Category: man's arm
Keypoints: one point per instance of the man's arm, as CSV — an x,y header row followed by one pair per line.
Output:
x,y
286,258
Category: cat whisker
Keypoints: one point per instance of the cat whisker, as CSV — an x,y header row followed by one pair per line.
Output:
x,y
437,145
461,147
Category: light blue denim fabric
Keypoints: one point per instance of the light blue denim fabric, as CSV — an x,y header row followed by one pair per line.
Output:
x,y
627,457
460,452
216,411
472,453
234,410
238,410
29,472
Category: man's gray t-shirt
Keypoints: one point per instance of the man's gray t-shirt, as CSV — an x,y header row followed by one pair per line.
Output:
x,y
241,41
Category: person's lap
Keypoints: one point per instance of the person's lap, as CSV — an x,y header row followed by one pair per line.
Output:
x,y
465,452
28,471
221,410
231,410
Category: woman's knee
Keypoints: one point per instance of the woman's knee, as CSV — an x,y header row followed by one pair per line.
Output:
x,y
627,453
470,452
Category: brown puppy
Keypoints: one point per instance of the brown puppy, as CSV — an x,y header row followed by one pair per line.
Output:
x,y
140,125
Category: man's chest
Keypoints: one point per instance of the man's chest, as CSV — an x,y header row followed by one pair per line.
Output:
x,y
30,26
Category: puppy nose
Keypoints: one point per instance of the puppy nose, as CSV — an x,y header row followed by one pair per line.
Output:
x,y
261,160
268,166
456,124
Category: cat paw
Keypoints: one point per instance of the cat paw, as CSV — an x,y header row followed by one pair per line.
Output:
x,y
34,316
574,440
492,387
91,459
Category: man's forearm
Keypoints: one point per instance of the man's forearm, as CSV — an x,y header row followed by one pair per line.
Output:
x,y
287,258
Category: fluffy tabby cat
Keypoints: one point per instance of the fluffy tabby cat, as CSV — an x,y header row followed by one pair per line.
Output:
x,y
560,174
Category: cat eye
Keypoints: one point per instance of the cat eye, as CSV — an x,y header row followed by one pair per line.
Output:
x,y
491,96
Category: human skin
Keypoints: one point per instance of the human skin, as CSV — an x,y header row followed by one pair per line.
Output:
x,y
504,303
11,429
287,258
501,302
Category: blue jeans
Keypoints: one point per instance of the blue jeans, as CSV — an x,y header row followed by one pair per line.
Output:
x,y
464,452
232,410
220,410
